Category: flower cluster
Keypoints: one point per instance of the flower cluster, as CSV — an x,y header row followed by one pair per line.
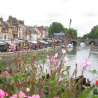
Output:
x,y
20,94
87,63
12,47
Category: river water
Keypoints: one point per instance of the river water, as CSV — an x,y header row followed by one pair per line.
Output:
x,y
78,54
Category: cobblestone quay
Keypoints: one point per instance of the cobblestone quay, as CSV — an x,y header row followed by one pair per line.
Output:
x,y
7,57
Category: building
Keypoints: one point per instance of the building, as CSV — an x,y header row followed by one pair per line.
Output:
x,y
15,29
19,27
12,29
6,30
37,32
60,35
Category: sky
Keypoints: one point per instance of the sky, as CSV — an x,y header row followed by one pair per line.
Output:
x,y
83,13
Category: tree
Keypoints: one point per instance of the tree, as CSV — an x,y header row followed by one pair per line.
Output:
x,y
55,27
72,33
93,34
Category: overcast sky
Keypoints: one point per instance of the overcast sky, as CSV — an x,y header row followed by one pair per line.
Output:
x,y
84,13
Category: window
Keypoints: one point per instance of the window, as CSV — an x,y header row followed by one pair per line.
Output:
x,y
4,36
15,28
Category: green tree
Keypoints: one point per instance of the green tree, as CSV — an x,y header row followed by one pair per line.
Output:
x,y
93,33
55,27
72,33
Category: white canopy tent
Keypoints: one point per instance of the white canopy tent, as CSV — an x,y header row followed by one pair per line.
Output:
x,y
32,41
43,42
10,42
2,43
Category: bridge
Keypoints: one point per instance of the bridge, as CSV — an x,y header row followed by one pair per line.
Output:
x,y
86,41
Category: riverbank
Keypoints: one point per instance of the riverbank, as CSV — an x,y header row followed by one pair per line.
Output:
x,y
7,58
29,52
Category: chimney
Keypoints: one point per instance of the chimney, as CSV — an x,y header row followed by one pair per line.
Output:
x,y
10,20
1,19
23,22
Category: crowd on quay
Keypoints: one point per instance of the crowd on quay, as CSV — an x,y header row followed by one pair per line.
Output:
x,y
22,44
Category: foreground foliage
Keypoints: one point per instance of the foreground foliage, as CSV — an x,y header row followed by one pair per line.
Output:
x,y
30,80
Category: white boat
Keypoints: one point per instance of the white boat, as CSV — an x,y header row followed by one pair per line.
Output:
x,y
70,46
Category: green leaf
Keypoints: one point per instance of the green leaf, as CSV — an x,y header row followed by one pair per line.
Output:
x,y
44,61
93,71
53,75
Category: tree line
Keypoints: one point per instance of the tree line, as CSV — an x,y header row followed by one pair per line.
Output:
x,y
93,33
56,27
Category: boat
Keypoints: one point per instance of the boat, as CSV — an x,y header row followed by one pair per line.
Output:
x,y
70,46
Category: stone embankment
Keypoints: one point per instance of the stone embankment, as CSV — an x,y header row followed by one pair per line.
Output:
x,y
6,58
25,52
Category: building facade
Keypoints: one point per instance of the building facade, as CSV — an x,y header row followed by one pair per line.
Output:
x,y
16,29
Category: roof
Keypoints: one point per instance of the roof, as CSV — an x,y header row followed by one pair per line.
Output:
x,y
61,33
40,29
7,23
31,30
15,21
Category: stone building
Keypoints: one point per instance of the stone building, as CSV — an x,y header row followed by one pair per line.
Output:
x,y
12,29
37,32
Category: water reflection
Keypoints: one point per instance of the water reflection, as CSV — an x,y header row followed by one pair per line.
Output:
x,y
82,44
77,56
82,52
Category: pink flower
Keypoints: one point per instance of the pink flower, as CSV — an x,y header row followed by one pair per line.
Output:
x,y
73,85
60,80
56,97
12,47
29,96
14,96
65,59
87,62
57,84
6,73
2,93
11,83
20,94
35,96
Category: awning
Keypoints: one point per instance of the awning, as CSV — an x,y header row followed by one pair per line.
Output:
x,y
34,42
20,40
10,42
43,42
16,42
2,43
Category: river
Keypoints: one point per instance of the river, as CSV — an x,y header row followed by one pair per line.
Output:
x,y
78,54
